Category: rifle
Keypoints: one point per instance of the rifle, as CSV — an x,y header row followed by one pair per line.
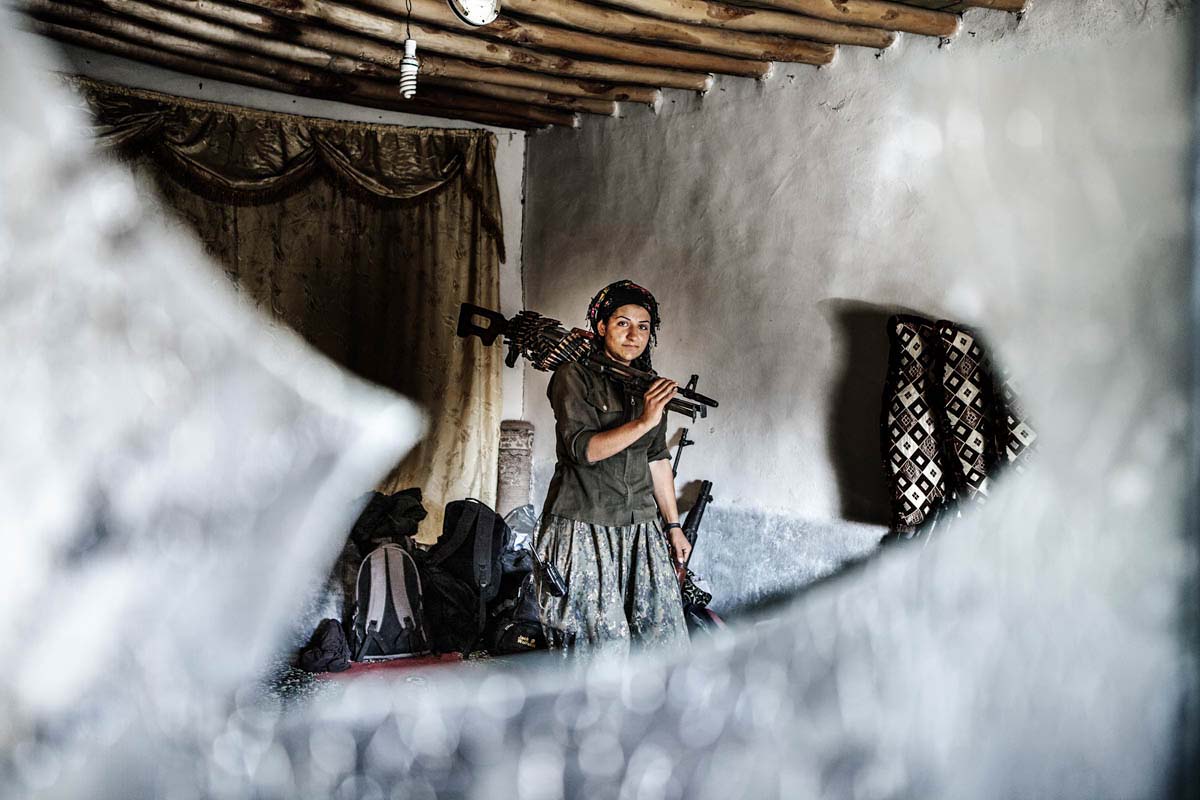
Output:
x,y
695,515
548,345
698,615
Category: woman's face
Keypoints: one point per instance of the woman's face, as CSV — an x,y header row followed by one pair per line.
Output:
x,y
626,333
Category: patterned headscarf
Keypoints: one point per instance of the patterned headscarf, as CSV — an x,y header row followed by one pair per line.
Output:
x,y
625,293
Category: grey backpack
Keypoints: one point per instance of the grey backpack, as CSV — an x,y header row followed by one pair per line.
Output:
x,y
388,617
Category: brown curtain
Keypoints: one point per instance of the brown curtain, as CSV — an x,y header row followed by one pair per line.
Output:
x,y
363,238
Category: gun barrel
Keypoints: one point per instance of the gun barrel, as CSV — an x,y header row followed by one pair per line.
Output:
x,y
641,382
692,394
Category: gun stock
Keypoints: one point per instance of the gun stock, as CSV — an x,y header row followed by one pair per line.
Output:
x,y
496,326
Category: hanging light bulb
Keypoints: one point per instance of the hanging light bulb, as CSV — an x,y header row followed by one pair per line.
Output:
x,y
408,69
409,65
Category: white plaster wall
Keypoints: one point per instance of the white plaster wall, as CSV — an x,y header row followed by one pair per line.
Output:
x,y
1046,658
510,153
780,222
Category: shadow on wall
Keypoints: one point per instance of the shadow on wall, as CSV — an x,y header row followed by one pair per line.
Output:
x,y
860,337
756,560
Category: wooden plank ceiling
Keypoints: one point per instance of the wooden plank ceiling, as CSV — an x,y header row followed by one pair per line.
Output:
x,y
542,62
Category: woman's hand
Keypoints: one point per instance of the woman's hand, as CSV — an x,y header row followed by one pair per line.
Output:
x,y
681,548
656,399
605,444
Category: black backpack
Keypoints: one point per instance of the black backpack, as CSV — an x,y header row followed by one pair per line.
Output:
x,y
516,626
451,610
388,619
472,541
327,650
464,566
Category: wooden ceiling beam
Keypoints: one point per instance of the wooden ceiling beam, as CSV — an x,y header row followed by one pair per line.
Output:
x,y
549,37
756,47
432,40
100,25
614,22
957,6
871,13
280,23
997,5
188,65
752,20
582,105
103,32
457,69
372,50
193,27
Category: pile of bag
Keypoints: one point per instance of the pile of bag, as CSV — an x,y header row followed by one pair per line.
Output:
x,y
472,590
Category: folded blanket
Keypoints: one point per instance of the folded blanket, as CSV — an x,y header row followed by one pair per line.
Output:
x,y
950,419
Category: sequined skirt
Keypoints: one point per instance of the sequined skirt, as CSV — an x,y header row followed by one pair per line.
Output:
x,y
621,588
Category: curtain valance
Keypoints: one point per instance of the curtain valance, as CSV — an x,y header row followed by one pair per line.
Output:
x,y
246,157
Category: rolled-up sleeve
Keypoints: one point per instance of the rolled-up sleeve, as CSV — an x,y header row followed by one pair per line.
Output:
x,y
658,445
575,419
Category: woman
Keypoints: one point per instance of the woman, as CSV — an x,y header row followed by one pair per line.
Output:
x,y
613,477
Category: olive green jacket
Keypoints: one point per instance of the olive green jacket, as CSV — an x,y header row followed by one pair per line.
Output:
x,y
617,490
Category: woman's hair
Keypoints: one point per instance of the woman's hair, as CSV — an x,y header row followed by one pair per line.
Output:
x,y
626,293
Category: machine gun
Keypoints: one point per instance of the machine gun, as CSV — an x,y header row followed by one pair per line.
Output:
x,y
548,345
